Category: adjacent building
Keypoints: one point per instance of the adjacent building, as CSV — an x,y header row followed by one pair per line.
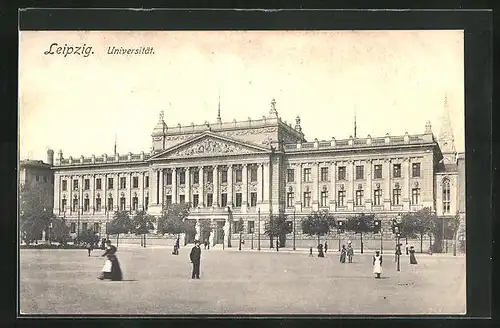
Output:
x,y
256,168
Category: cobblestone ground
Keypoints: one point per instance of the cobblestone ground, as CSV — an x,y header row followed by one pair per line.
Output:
x,y
232,282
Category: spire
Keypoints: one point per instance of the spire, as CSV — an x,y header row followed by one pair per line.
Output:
x,y
355,124
446,139
219,120
115,145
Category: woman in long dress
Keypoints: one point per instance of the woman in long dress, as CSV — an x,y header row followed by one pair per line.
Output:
x,y
350,252
343,253
111,269
377,264
320,251
413,260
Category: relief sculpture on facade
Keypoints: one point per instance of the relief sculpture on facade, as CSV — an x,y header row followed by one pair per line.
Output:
x,y
210,146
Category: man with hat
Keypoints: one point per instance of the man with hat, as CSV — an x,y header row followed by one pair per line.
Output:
x,y
195,257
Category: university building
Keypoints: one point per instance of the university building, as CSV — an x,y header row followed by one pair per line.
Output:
x,y
260,167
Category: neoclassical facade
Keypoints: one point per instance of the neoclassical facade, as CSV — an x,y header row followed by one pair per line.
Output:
x,y
252,169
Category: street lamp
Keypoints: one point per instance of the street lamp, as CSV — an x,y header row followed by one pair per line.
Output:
x,y
258,233
50,228
294,229
78,225
229,230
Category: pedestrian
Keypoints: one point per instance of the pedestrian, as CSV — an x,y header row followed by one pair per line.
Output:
x,y
406,247
195,257
89,248
310,252
413,260
377,264
111,269
176,247
350,252
397,252
326,246
343,253
320,251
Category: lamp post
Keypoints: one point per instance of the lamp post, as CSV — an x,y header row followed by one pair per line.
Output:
x,y
294,229
78,225
252,235
44,211
50,228
258,233
107,223
229,230
381,241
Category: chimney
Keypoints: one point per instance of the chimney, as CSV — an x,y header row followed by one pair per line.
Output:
x,y
50,157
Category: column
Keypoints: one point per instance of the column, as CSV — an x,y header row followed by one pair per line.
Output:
x,y
298,192
406,183
161,186
215,178
267,181
369,189
174,186
350,185
244,190
387,192
69,202
201,196
230,185
57,194
333,184
117,191
82,178
92,193
153,187
104,185
315,191
187,189
142,182
129,186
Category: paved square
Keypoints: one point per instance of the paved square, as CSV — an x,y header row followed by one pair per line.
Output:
x,y
232,282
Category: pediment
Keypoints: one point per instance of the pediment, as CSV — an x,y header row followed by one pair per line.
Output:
x,y
210,145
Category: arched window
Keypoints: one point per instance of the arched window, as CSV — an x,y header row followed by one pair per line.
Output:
x,y
446,196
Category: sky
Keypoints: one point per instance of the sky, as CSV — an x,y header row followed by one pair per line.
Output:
x,y
394,81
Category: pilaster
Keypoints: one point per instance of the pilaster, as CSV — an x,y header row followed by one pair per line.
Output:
x,y
333,191
244,189
175,199
215,178
201,196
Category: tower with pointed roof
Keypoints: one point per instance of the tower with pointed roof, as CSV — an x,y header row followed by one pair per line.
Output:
x,y
446,139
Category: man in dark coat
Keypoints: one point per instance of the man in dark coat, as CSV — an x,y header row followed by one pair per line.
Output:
x,y
195,257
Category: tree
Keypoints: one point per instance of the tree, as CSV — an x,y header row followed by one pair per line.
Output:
x,y
277,227
35,212
205,228
173,220
418,224
361,223
318,224
142,224
121,223
89,237
59,232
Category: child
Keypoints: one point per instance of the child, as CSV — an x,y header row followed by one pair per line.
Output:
x,y
310,252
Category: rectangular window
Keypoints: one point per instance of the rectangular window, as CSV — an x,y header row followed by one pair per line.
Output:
x,y
98,204
359,197
135,204
223,176
253,174
182,199
250,227
122,204
307,174
239,175
341,198
324,174
123,183
360,172
377,193
223,200
396,171
168,200
37,178
73,227
75,184
290,175
210,176
210,199
110,183
86,184
253,199
135,182
377,171
195,200
307,199
64,185
75,204
84,226
196,177
86,205
110,204
63,205
415,196
44,179
289,199
324,198
238,199
98,184
396,196
146,203
96,226
182,177
341,175
169,178
146,182
415,170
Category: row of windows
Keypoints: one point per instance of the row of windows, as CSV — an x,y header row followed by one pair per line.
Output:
x,y
209,175
238,200
45,178
98,204
359,197
98,183
359,172
96,227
